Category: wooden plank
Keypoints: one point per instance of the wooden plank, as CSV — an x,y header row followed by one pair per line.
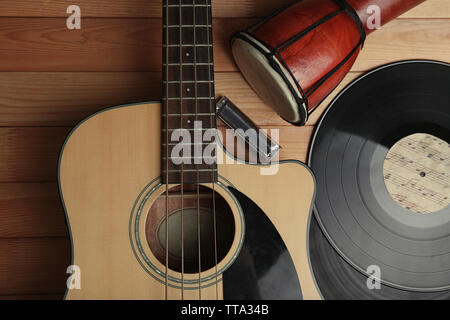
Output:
x,y
152,9
33,297
294,140
430,9
135,44
31,210
406,40
65,98
30,154
60,98
33,266
101,45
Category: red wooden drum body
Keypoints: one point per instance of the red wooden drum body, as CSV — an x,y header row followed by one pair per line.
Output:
x,y
295,58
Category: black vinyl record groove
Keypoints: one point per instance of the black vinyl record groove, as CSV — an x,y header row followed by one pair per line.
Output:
x,y
361,221
338,280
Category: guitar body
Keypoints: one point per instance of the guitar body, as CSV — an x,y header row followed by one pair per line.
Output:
x,y
109,182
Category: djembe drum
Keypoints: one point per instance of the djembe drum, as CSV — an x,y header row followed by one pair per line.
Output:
x,y
296,57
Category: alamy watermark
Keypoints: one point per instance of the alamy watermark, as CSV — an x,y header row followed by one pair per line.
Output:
x,y
374,19
74,280
73,22
374,279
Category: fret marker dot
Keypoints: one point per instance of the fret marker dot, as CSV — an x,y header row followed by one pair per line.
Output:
x,y
188,89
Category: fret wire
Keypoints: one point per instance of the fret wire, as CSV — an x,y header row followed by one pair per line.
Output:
x,y
189,170
193,158
190,98
187,81
187,144
187,45
189,5
186,114
187,26
189,64
164,129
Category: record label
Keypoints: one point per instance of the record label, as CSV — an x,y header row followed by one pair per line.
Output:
x,y
417,173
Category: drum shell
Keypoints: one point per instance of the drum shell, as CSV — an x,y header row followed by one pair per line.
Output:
x,y
317,50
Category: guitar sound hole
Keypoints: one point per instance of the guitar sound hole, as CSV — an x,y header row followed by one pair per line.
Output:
x,y
225,229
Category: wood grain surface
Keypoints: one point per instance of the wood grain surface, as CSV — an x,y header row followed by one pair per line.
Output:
x,y
152,9
131,44
52,77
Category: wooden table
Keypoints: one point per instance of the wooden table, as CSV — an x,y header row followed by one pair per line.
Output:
x,y
52,77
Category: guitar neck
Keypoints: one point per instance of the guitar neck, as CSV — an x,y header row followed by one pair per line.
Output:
x,y
188,89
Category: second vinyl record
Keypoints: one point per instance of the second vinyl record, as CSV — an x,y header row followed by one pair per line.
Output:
x,y
338,280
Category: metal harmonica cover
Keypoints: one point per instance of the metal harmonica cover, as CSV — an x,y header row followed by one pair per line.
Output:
x,y
234,118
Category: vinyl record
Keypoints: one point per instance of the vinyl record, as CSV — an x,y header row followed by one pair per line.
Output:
x,y
338,280
358,215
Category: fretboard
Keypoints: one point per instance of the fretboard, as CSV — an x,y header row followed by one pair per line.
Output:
x,y
188,92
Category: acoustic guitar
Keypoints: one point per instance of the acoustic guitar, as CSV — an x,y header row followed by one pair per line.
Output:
x,y
144,227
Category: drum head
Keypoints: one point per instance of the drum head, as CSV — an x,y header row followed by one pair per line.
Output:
x,y
363,221
274,89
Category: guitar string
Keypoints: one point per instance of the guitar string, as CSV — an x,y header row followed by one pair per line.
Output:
x,y
182,162
167,152
211,106
196,165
